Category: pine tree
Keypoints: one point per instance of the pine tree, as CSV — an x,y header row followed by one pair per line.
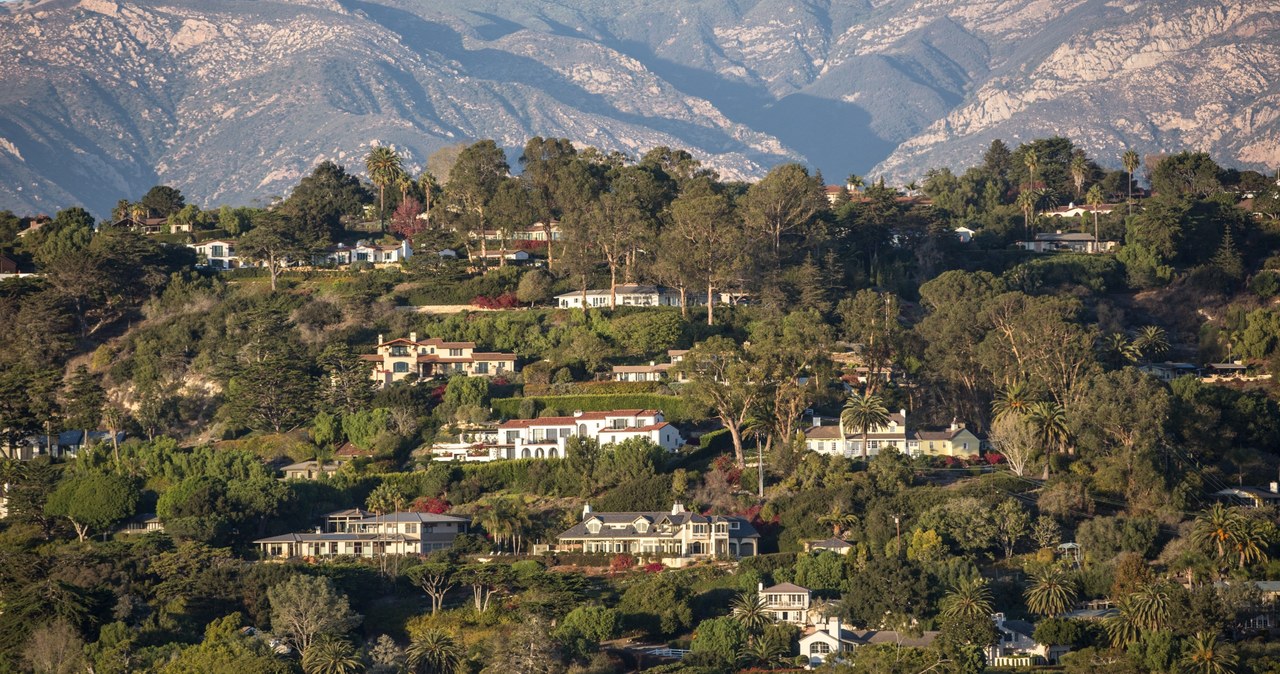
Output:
x,y
1228,258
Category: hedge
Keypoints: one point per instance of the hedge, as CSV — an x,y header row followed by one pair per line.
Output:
x,y
674,408
593,388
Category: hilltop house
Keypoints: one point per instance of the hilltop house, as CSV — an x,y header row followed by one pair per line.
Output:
x,y
678,537
434,357
956,440
653,371
148,226
628,295
365,534
1250,497
218,253
1073,210
836,545
546,437
538,231
342,255
1017,648
828,640
1066,242
1168,371
786,602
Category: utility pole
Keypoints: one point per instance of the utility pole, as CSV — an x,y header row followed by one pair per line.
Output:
x,y
897,525
760,465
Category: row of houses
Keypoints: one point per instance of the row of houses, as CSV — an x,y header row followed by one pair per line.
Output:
x,y
221,254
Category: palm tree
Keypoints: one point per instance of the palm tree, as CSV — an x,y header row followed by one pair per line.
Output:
x,y
1052,592
970,599
863,412
1122,627
912,187
1118,347
1203,655
1151,607
405,183
384,167
1051,421
1094,199
1016,398
330,655
1032,160
1079,171
1219,529
1152,341
1027,200
838,521
855,182
427,183
1131,162
434,652
761,653
749,609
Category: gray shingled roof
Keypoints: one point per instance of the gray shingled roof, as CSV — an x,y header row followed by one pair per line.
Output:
x,y
579,530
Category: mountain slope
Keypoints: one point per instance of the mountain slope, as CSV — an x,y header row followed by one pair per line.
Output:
x,y
235,101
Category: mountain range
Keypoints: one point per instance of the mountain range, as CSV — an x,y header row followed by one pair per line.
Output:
x,y
234,101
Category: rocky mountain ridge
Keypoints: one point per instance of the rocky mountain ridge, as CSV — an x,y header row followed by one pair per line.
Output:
x,y
99,99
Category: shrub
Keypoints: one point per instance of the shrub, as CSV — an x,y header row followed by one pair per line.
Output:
x,y
674,408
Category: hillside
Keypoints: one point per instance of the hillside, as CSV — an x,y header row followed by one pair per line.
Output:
x,y
100,100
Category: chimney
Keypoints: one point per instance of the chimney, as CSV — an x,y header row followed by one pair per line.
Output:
x,y
817,420
413,337
1275,487
760,588
577,413
586,511
677,508
833,626
903,412
953,424
380,340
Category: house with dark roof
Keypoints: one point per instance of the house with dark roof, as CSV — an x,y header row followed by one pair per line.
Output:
x,y
836,545
363,534
1250,497
956,440
825,439
398,358
677,537
1066,242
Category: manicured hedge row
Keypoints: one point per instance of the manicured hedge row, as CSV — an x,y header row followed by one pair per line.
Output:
x,y
674,408
593,388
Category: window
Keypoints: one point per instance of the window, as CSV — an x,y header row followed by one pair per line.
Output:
x,y
512,436
400,367
819,648
482,368
593,526
642,526
411,528
455,353
618,423
566,432
399,351
333,547
362,257
699,529
733,525
217,251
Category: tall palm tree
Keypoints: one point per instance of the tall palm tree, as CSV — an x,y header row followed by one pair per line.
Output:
x,y
970,599
1202,654
405,183
1032,161
749,609
1016,398
434,652
1079,171
1051,422
1052,592
864,412
1117,348
384,167
838,521
1095,199
1027,201
330,655
1131,162
427,183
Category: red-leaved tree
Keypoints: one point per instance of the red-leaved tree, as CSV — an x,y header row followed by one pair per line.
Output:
x,y
405,221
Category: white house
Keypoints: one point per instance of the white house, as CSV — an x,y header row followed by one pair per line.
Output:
x,y
342,254
826,439
628,295
398,358
964,234
1017,648
675,537
365,534
218,253
545,438
828,640
1168,371
1066,242
786,602
1073,210
653,371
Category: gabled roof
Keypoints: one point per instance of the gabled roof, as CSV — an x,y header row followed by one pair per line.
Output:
x,y
785,588
831,544
628,520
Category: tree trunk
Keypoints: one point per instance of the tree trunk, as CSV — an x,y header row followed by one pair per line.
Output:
x,y
736,434
684,303
82,530
864,445
613,285
710,305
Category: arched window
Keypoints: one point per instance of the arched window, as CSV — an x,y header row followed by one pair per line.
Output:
x,y
524,453
553,453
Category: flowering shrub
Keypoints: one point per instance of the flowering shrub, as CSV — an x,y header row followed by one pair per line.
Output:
x,y
653,567
621,562
429,504
504,301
